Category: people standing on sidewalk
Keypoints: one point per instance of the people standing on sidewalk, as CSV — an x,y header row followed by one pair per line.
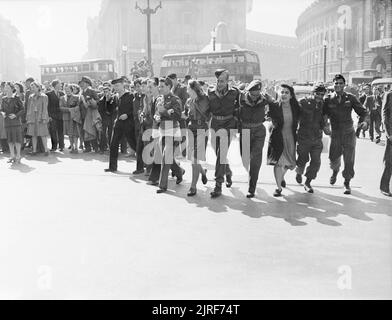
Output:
x,y
37,117
107,107
373,104
56,129
12,110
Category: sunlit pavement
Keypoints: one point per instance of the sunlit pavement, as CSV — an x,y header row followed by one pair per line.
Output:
x,y
70,231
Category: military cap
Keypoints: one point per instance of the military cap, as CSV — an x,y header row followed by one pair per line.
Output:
x,y
188,77
119,80
172,76
87,80
242,86
219,72
320,87
254,85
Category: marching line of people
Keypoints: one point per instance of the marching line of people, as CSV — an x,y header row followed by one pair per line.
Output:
x,y
163,119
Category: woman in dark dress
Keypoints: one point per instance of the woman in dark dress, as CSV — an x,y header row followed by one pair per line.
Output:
x,y
282,144
197,108
12,109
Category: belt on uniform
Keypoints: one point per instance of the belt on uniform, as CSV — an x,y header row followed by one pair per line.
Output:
x,y
198,122
223,118
252,125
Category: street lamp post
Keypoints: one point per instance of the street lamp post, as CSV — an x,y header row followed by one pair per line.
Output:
x,y
213,36
124,51
341,60
325,44
148,12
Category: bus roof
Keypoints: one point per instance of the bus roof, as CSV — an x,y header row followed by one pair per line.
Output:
x,y
382,81
207,53
76,62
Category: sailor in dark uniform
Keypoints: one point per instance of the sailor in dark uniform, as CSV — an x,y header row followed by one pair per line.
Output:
x,y
124,126
252,112
224,104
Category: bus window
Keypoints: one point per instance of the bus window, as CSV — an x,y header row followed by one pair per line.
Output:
x,y
227,59
239,59
177,62
103,67
85,67
53,70
201,60
212,60
165,63
251,57
110,67
95,67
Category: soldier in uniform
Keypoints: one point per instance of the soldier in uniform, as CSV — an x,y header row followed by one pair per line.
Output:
x,y
124,126
338,108
310,134
137,109
251,115
387,121
167,114
224,104
107,109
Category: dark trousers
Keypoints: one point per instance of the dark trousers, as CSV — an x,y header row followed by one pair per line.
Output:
x,y
121,129
251,148
343,142
91,145
56,132
222,167
386,176
107,132
309,148
4,145
139,149
375,124
168,146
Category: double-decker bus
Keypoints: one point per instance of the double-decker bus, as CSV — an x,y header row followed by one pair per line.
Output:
x,y
99,69
363,76
243,65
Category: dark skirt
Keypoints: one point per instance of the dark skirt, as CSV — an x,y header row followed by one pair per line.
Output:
x,y
14,134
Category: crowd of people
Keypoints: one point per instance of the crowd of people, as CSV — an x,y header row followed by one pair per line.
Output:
x,y
164,119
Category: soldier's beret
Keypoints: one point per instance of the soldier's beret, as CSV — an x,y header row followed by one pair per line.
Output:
x,y
219,72
87,80
172,76
119,80
254,85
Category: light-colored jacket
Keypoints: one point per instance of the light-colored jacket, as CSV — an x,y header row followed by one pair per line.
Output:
x,y
37,108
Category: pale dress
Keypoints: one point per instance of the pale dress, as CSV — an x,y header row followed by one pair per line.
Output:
x,y
288,159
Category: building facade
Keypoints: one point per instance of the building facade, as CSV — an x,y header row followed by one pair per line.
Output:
x,y
278,55
12,60
120,30
355,34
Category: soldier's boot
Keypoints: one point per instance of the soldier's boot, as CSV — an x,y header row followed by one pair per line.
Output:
x,y
334,177
217,191
347,188
298,178
229,181
308,187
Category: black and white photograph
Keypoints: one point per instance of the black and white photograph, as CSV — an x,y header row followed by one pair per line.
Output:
x,y
195,150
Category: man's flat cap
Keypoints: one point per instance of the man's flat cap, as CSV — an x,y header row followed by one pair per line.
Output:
x,y
119,80
254,85
87,80
219,72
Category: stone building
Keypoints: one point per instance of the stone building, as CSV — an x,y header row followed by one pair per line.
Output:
x,y
357,35
12,64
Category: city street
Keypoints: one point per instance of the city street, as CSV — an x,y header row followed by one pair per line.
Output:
x,y
70,231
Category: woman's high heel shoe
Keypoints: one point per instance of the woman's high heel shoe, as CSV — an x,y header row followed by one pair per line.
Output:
x,y
12,160
192,192
204,178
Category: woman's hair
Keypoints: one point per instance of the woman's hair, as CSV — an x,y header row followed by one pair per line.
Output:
x,y
20,86
195,86
37,84
11,85
75,88
293,100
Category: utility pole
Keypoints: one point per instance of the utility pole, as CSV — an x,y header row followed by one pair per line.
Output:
x,y
325,43
148,12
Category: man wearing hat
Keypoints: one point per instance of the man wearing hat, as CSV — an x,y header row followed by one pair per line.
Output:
x,y
338,108
89,113
125,125
310,135
252,112
224,104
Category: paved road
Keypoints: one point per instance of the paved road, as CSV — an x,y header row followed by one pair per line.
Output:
x,y
68,230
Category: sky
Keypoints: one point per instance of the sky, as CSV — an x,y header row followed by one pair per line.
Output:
x,y
56,30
